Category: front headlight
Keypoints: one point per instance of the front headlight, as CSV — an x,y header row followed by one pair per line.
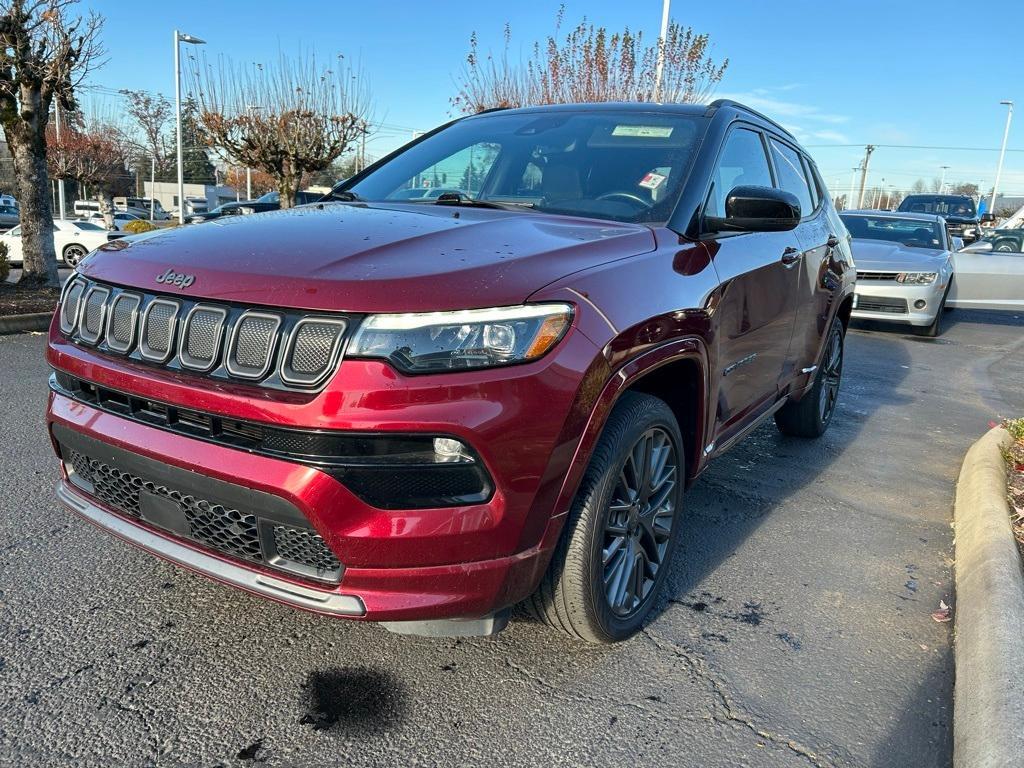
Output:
x,y
916,278
473,338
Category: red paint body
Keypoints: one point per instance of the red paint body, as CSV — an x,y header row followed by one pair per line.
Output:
x,y
644,298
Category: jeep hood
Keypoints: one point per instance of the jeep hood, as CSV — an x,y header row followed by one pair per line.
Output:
x,y
369,257
884,256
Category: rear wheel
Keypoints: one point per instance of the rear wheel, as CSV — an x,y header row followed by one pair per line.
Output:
x,y
810,416
615,552
73,254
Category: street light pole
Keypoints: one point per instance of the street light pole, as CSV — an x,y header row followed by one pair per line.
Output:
x,y
1002,153
180,38
942,181
659,66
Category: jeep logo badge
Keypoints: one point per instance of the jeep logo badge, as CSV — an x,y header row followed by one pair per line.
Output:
x,y
179,279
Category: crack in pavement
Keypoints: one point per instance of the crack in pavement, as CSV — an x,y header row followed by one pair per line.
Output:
x,y
699,667
542,682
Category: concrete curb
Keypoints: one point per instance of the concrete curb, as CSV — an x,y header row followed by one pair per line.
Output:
x,y
988,698
36,321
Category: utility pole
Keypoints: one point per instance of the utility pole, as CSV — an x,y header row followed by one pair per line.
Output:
x,y
152,187
1002,154
853,187
864,173
60,182
942,181
659,67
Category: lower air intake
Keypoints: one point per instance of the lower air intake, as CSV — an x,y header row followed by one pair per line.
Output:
x,y
237,533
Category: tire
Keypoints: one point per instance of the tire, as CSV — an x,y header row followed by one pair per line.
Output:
x,y
935,329
73,254
811,415
603,541
1005,246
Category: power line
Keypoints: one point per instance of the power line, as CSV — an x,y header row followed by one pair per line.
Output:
x,y
910,146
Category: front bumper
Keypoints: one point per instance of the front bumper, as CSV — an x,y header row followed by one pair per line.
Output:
x,y
400,565
895,303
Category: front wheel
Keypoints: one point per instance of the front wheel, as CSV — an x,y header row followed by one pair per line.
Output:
x,y
811,415
622,529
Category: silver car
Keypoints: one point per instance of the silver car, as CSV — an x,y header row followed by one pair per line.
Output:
x,y
989,274
904,267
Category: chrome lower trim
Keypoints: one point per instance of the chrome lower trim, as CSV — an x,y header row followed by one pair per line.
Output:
x,y
809,369
235,575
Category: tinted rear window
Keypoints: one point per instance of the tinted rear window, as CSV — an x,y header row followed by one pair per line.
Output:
x,y
942,205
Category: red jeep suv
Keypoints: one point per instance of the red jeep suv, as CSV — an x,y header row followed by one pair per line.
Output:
x,y
423,412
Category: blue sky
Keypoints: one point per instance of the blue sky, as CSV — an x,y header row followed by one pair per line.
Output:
x,y
835,73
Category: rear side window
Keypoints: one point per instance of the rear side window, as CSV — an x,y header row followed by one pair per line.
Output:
x,y
791,175
743,163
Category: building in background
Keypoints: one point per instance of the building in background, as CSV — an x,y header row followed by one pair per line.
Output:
x,y
201,197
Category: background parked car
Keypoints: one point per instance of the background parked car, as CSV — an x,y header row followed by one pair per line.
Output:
x,y
959,211
904,267
9,216
423,193
987,278
1001,241
71,239
121,218
240,208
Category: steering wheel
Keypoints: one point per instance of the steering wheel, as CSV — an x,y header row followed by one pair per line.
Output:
x,y
628,197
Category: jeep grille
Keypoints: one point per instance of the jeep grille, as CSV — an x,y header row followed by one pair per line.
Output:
x,y
272,348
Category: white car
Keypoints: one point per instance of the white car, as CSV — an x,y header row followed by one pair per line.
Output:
x,y
121,218
72,240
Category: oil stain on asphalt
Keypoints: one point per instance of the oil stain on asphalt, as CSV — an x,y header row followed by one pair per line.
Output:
x,y
357,699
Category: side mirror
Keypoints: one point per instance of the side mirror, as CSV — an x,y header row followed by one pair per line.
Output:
x,y
958,243
756,209
988,218
982,246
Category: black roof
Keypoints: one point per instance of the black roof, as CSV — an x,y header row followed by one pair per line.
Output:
x,y
695,110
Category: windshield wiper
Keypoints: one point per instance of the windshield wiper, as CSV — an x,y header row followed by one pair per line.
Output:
x,y
457,198
346,197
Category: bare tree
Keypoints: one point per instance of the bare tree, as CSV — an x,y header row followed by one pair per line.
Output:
x,y
45,51
151,115
94,156
917,187
288,119
590,64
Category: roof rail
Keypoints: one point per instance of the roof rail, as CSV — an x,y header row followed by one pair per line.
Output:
x,y
719,103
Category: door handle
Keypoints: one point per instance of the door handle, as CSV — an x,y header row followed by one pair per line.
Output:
x,y
791,256
832,241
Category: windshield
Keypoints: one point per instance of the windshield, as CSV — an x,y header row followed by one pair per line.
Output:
x,y
911,232
624,166
958,207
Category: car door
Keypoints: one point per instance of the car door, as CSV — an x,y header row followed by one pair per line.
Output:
x,y
987,280
757,301
818,270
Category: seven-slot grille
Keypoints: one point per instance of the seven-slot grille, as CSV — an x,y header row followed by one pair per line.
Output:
x,y
276,349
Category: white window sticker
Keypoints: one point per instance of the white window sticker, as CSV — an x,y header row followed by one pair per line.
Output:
x,y
652,180
643,131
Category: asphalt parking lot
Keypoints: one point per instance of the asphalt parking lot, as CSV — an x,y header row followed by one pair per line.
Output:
x,y
798,632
